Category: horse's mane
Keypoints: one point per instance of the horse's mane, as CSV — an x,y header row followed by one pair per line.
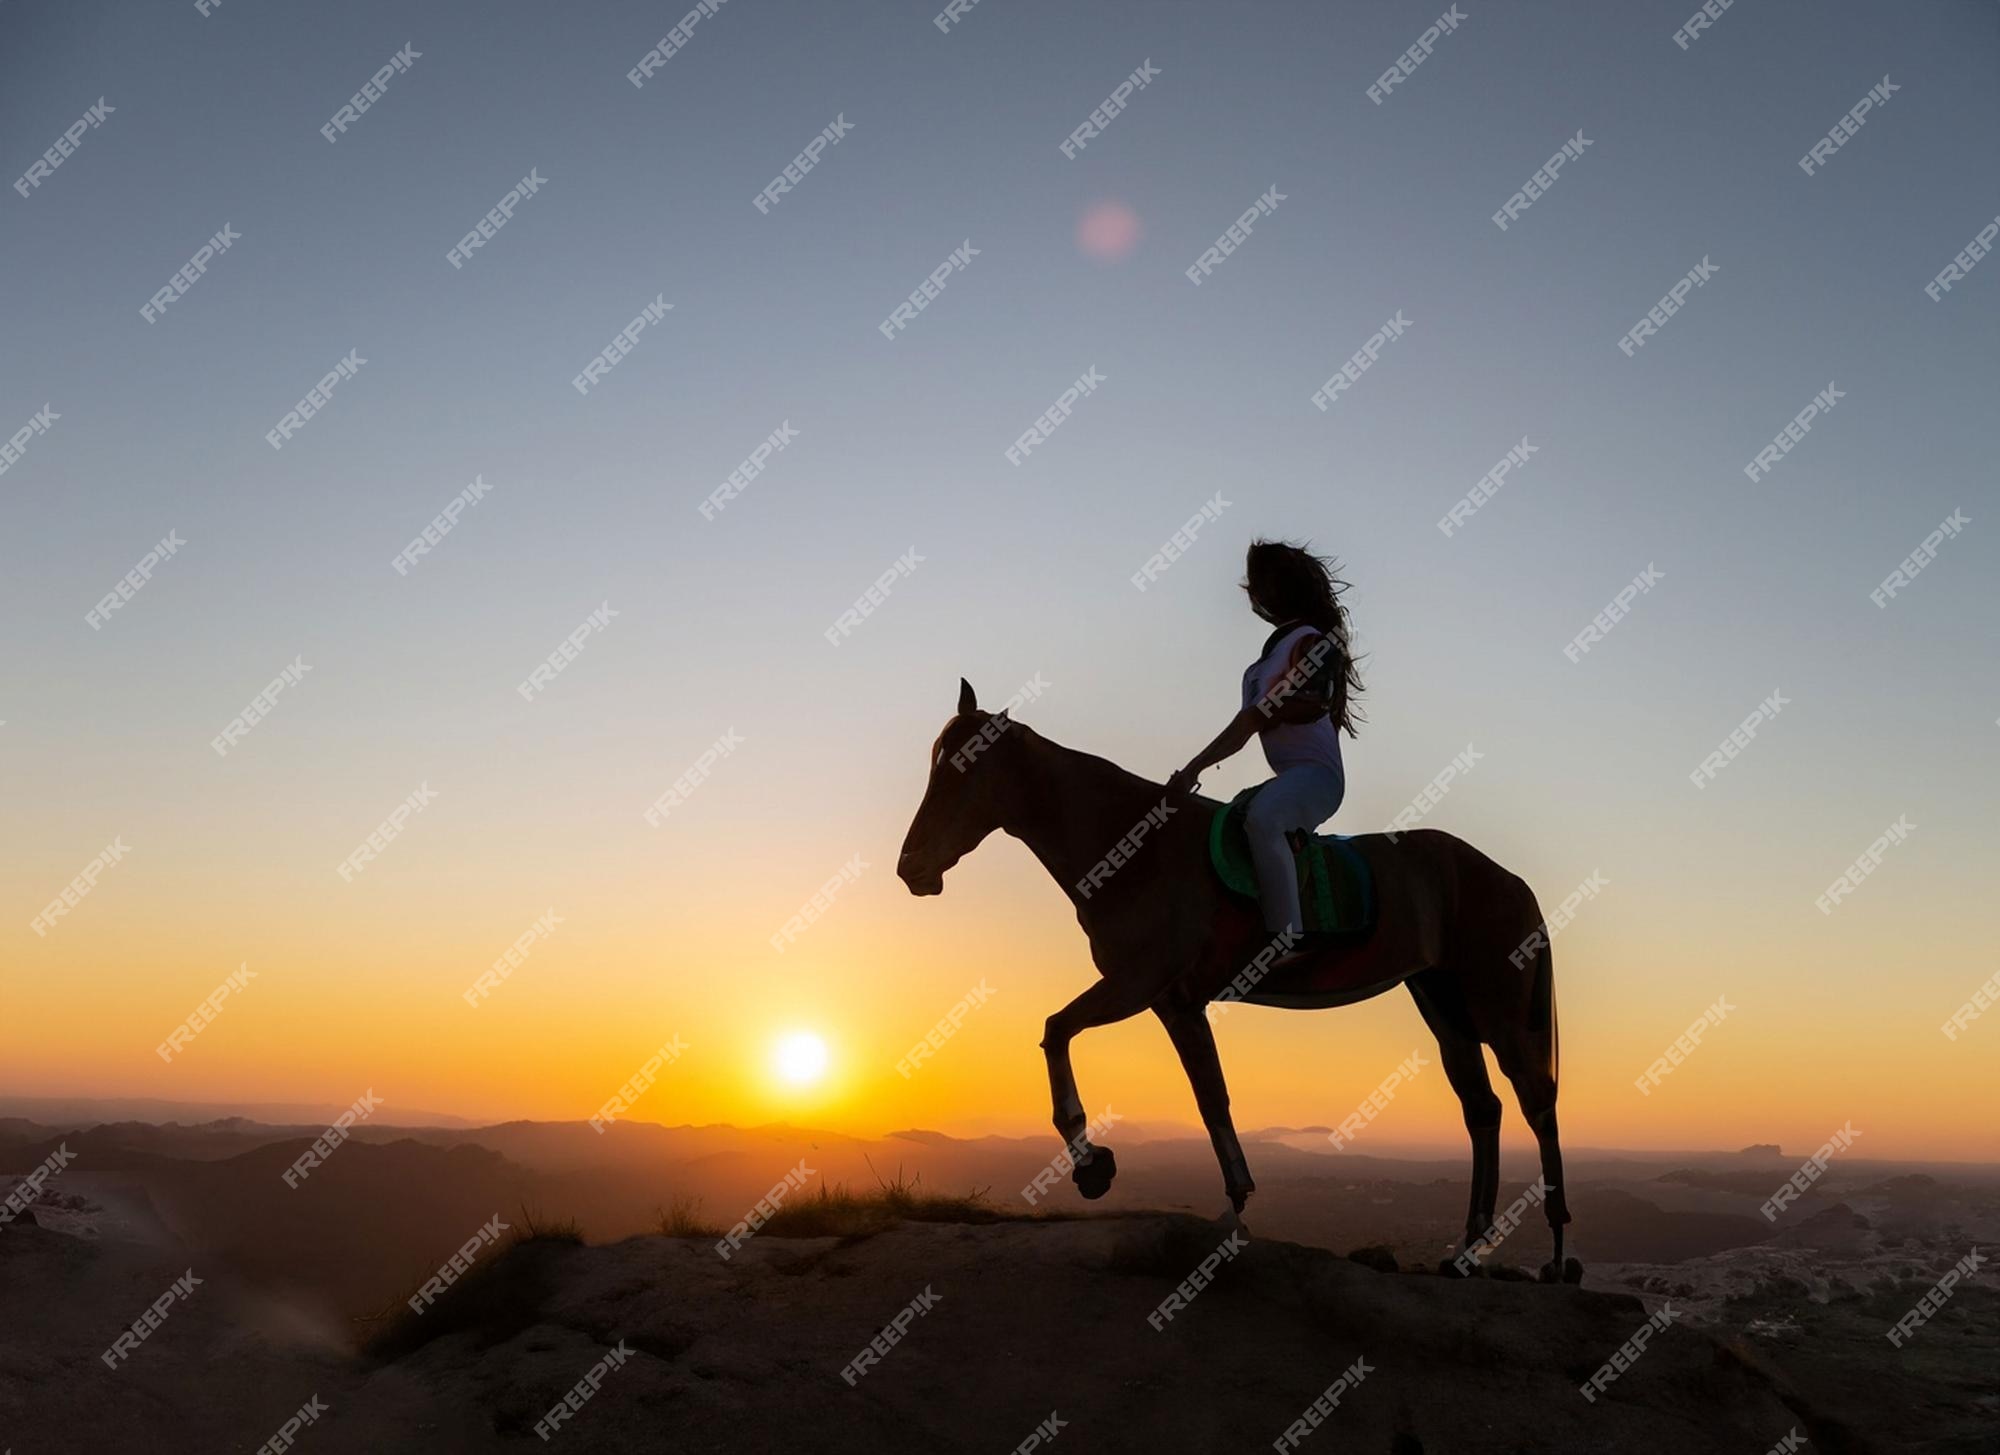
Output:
x,y
1116,778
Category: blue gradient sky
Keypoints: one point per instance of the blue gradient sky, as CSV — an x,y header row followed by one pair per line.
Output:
x,y
1025,570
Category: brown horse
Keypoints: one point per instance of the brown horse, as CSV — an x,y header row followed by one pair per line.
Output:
x,y
1463,933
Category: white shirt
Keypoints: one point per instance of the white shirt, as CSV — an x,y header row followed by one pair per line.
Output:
x,y
1288,744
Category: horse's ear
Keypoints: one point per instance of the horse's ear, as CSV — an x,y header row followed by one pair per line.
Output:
x,y
967,702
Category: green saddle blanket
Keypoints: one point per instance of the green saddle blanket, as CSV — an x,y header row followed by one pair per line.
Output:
x,y
1336,889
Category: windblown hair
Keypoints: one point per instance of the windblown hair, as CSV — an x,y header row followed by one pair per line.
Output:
x,y
1288,583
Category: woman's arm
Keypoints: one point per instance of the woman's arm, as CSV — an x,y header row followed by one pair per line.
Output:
x,y
1242,727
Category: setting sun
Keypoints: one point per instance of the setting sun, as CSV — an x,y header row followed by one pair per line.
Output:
x,y
801,1058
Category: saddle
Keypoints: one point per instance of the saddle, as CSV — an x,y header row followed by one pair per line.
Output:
x,y
1336,888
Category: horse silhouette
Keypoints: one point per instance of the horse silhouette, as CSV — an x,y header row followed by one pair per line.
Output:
x,y
1464,934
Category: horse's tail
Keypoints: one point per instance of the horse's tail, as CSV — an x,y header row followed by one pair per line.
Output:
x,y
1542,990
1542,1012
1538,1101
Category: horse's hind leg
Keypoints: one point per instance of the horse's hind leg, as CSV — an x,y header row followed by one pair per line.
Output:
x,y
1529,1066
1465,1067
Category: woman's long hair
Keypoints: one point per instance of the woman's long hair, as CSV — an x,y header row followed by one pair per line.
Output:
x,y
1289,583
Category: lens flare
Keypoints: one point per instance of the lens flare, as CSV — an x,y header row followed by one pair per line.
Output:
x,y
1109,230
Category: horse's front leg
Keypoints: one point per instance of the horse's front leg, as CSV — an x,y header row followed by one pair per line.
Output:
x,y
1105,1003
1194,1041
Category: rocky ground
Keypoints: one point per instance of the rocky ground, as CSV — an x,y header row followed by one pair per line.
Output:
x,y
1030,1322
1039,1323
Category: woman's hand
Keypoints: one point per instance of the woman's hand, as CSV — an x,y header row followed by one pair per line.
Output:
x,y
1242,727
1184,781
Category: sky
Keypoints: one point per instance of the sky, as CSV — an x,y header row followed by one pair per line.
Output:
x,y
699,627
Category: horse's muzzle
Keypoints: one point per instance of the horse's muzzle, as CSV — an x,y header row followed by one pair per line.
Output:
x,y
921,881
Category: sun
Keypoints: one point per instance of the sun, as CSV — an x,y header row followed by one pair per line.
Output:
x,y
801,1058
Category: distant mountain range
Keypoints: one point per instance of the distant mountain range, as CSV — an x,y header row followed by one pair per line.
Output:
x,y
77,1110
394,1200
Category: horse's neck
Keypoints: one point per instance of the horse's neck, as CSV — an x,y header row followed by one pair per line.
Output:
x,y
1071,808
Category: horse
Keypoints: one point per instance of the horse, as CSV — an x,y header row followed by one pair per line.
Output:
x,y
1464,934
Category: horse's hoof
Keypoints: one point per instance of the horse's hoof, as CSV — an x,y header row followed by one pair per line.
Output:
x,y
1093,1178
1238,1196
1548,1273
1572,1272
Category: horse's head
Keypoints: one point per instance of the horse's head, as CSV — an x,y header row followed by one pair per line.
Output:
x,y
965,798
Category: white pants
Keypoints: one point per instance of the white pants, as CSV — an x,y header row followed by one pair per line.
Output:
x,y
1298,798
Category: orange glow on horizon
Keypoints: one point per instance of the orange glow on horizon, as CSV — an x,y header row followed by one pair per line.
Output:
x,y
385,1012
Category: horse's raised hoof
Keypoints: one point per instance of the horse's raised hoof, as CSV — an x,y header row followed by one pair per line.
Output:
x,y
1093,1178
1238,1196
